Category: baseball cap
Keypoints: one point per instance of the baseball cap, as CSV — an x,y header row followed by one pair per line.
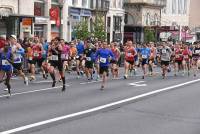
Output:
x,y
13,36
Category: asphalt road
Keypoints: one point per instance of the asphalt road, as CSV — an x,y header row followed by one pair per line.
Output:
x,y
175,111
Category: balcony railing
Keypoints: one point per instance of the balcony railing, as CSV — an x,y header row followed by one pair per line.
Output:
x,y
147,2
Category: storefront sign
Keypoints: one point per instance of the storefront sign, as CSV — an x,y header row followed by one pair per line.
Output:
x,y
27,21
74,11
41,20
85,12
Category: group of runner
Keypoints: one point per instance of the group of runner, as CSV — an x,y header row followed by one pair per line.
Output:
x,y
94,58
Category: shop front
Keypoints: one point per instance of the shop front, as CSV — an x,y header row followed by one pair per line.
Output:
x,y
76,15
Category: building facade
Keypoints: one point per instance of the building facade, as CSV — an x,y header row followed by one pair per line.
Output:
x,y
141,14
27,18
115,21
16,17
194,18
175,18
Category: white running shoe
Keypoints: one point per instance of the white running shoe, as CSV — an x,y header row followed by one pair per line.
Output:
x,y
26,81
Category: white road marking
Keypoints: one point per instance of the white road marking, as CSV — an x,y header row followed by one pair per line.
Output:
x,y
37,82
22,128
89,82
137,84
33,91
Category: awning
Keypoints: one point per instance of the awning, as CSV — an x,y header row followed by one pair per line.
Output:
x,y
5,12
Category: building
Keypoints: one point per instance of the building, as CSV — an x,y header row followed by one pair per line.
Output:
x,y
17,18
115,21
175,19
141,14
194,18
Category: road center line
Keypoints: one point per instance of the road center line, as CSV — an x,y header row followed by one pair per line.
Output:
x,y
22,128
32,91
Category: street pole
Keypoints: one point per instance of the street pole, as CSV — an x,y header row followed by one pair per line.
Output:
x,y
60,28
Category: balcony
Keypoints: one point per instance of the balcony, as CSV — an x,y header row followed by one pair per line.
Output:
x,y
160,3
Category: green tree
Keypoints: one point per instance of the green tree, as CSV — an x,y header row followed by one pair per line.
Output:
x,y
149,35
99,28
81,30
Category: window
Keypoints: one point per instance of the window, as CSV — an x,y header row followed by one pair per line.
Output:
x,y
74,2
156,20
84,3
148,19
174,6
114,3
39,9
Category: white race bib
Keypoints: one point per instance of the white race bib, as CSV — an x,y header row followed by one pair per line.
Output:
x,y
36,54
77,57
177,56
88,58
186,56
164,51
144,56
64,56
5,62
129,54
30,58
54,57
102,60
44,52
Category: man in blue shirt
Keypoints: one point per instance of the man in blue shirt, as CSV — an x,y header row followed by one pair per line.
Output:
x,y
145,54
104,55
80,51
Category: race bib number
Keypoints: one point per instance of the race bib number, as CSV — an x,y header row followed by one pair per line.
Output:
x,y
177,56
103,60
164,51
5,62
30,58
44,52
186,56
36,54
64,56
129,54
54,57
88,58
144,56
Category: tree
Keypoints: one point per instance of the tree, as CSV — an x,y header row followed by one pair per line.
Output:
x,y
99,28
149,35
81,30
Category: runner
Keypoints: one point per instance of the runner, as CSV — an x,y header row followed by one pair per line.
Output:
x,y
178,59
6,58
37,51
187,54
145,54
130,53
65,54
55,51
79,58
114,66
195,58
89,62
104,55
152,58
17,52
45,46
165,54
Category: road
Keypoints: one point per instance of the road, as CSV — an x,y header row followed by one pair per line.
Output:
x,y
175,106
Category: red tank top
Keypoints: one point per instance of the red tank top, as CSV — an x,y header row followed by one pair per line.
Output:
x,y
37,52
129,54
